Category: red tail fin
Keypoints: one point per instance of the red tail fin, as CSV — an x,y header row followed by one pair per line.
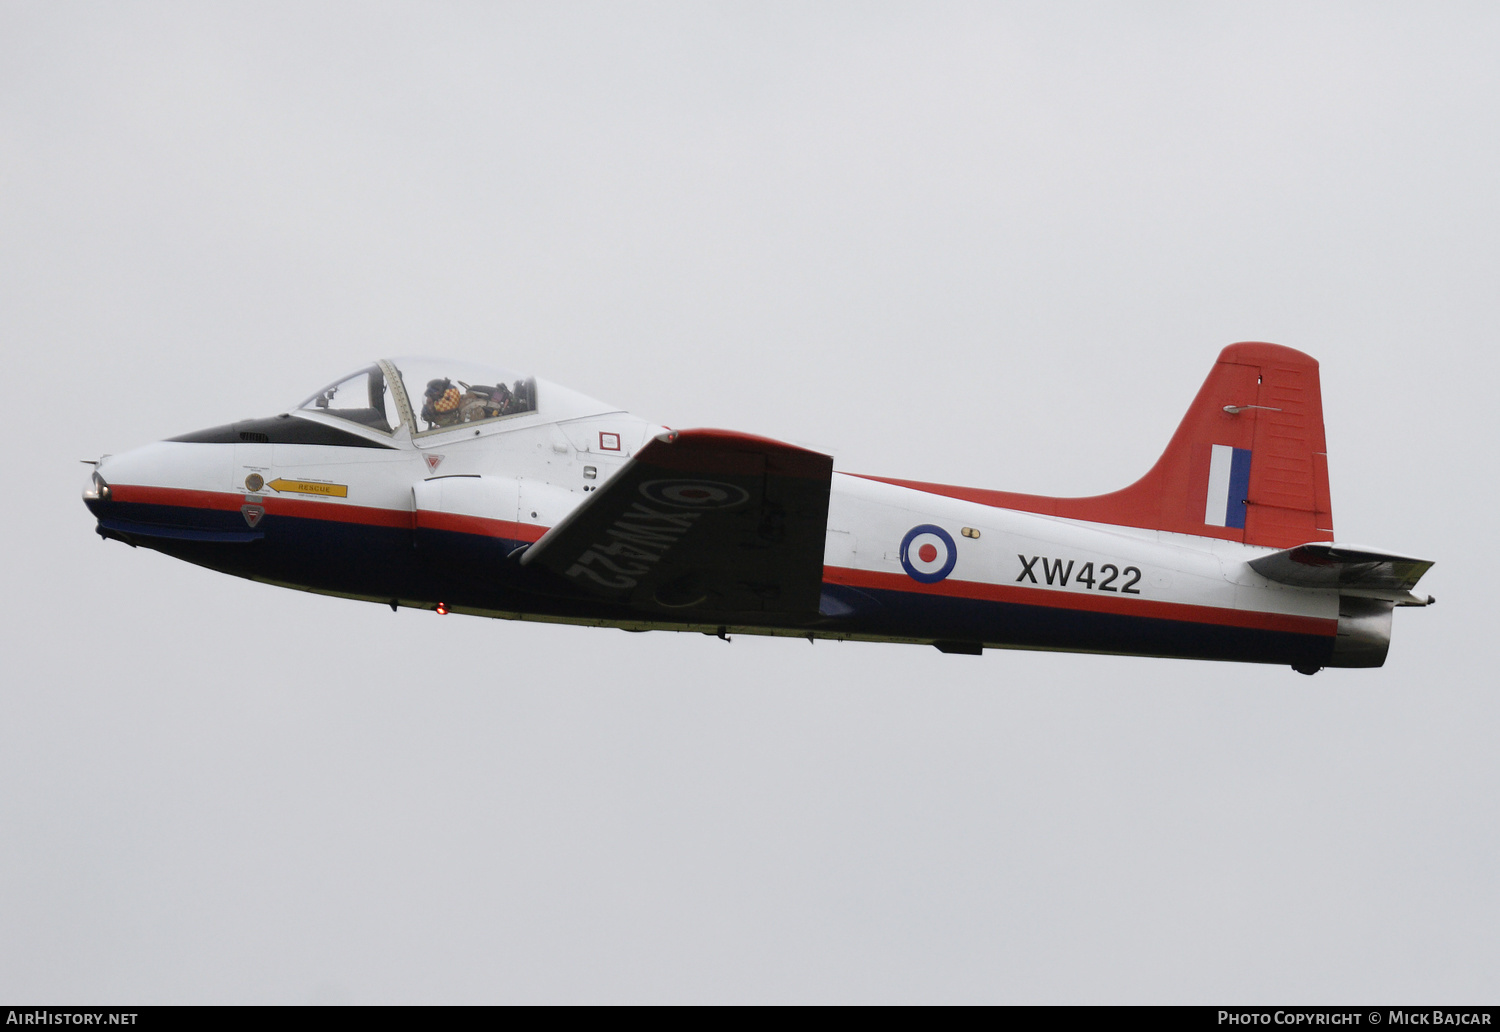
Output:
x,y
1248,463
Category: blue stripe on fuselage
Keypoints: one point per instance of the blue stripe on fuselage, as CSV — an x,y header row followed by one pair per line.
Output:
x,y
476,572
1016,625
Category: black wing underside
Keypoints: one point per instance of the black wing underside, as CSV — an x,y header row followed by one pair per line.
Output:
x,y
700,522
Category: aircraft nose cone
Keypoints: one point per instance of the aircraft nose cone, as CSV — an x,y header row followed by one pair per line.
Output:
x,y
96,491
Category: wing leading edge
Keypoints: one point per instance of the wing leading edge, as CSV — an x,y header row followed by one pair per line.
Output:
x,y
708,521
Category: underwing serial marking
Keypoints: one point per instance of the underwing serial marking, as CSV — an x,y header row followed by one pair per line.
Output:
x,y
630,546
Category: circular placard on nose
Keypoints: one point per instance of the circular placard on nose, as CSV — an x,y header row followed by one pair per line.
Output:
x,y
928,553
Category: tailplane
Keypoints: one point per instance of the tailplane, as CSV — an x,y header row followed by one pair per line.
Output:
x,y
1352,569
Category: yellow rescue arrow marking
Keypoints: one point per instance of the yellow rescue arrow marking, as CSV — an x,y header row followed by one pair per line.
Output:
x,y
309,487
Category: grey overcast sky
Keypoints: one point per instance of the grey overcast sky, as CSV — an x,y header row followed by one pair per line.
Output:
x,y
989,244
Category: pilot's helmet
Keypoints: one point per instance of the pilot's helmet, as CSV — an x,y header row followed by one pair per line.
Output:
x,y
442,395
440,402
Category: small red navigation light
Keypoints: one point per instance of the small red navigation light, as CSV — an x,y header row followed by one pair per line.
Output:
x,y
442,609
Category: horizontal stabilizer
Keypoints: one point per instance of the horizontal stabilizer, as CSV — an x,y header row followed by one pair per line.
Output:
x,y
1320,565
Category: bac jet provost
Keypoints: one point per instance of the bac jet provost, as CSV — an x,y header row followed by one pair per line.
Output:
x,y
442,486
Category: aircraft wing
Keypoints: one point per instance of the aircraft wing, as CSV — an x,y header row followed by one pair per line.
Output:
x,y
700,521
1321,565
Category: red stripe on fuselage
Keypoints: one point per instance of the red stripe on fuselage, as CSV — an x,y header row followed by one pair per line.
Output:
x,y
1094,603
480,525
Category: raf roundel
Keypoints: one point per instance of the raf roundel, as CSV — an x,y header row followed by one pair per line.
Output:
x,y
695,494
928,553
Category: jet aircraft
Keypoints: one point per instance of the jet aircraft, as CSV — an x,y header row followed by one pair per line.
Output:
x,y
438,485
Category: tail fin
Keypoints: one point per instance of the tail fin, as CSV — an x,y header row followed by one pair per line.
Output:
x,y
1248,463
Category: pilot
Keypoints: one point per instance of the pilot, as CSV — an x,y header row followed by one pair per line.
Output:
x,y
440,403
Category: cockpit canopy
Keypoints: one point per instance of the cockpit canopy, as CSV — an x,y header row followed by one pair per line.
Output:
x,y
361,398
430,395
